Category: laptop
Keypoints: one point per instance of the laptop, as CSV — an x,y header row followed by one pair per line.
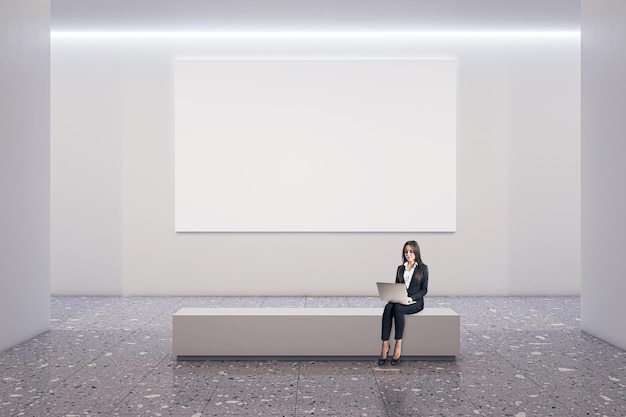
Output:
x,y
392,292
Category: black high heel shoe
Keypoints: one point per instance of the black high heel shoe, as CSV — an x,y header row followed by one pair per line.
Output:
x,y
397,348
381,361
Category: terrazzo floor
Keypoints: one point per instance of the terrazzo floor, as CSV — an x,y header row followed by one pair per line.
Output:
x,y
111,356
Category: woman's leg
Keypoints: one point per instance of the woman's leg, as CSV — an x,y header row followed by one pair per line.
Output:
x,y
397,350
384,350
388,314
398,316
386,332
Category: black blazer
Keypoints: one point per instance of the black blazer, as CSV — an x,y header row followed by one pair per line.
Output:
x,y
417,289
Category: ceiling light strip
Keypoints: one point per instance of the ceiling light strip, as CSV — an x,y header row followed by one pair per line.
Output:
x,y
317,35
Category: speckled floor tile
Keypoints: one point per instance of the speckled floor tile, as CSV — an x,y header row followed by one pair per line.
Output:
x,y
202,302
283,302
463,411
335,368
326,302
339,396
155,396
418,398
241,302
111,356
257,368
485,376
86,398
365,302
430,369
254,394
501,401
586,392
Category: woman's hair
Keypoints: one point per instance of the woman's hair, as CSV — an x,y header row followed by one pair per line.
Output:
x,y
416,250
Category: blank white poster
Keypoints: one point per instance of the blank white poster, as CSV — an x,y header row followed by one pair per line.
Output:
x,y
315,145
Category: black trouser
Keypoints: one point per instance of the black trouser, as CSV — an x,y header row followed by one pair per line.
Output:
x,y
395,312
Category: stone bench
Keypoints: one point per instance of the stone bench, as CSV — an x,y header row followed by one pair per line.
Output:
x,y
308,333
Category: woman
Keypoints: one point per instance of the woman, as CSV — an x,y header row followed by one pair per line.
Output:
x,y
414,274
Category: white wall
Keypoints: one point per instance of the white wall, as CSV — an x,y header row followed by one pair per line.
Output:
x,y
518,167
24,170
603,170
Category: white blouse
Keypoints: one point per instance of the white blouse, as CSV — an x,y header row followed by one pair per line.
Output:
x,y
408,274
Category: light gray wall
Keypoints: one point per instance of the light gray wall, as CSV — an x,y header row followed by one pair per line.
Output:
x,y
603,169
24,170
518,189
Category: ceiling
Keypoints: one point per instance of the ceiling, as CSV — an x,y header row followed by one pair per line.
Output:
x,y
208,15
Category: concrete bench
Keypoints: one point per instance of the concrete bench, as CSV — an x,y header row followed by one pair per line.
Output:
x,y
308,333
